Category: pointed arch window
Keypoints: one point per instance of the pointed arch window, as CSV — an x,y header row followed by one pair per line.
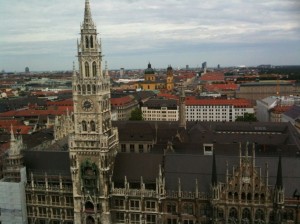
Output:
x,y
246,216
79,88
94,68
83,89
88,88
93,126
259,215
94,88
92,42
86,42
84,126
87,69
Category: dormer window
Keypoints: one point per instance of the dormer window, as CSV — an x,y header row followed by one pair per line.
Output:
x,y
208,149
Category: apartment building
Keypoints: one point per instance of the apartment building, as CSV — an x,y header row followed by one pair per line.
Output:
x,y
216,109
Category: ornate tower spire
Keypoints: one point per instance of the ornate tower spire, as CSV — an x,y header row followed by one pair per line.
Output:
x,y
88,21
182,117
93,145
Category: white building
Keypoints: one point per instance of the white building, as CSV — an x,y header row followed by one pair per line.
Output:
x,y
264,106
216,109
12,185
160,110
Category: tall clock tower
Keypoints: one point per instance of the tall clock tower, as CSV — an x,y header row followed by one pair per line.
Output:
x,y
93,145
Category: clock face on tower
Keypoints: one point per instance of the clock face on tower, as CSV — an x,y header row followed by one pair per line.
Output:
x,y
87,105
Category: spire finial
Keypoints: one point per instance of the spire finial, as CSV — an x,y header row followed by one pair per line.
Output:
x,y
12,136
214,179
87,14
279,184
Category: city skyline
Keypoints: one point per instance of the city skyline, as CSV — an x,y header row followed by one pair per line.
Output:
x,y
135,32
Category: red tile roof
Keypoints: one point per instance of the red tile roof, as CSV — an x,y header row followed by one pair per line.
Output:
x,y
281,109
121,101
67,102
212,76
33,112
167,96
221,87
191,101
18,126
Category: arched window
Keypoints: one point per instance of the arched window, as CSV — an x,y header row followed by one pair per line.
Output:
x,y
90,220
86,42
246,216
188,208
79,88
87,69
84,126
94,88
83,89
89,205
92,42
93,126
259,215
233,215
88,88
94,69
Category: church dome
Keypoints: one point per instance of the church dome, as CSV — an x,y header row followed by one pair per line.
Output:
x,y
149,70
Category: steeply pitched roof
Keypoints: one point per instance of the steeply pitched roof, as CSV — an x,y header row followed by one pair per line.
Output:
x,y
137,165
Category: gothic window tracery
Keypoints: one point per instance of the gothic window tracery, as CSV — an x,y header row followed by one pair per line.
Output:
x,y
83,89
84,126
246,216
89,206
233,215
90,220
93,126
86,42
94,69
259,215
88,88
87,69
92,42
89,174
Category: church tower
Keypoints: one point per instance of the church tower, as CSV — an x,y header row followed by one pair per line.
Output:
x,y
170,78
93,145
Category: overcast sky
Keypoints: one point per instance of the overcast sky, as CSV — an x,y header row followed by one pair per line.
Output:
x,y
42,34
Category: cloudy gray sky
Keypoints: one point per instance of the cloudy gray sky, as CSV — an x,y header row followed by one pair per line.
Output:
x,y
42,34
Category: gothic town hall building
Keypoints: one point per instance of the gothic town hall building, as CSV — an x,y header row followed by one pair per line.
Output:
x,y
93,171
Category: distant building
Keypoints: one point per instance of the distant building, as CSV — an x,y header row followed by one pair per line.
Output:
x,y
204,67
160,110
123,106
216,109
170,79
262,89
27,70
271,108
122,72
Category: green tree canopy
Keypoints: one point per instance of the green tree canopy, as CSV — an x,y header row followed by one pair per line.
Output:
x,y
246,117
136,115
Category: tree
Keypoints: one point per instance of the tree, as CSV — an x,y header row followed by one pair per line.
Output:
x,y
136,115
247,117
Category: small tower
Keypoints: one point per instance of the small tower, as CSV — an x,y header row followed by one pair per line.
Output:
x,y
182,117
278,193
14,160
214,180
150,73
93,144
170,79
